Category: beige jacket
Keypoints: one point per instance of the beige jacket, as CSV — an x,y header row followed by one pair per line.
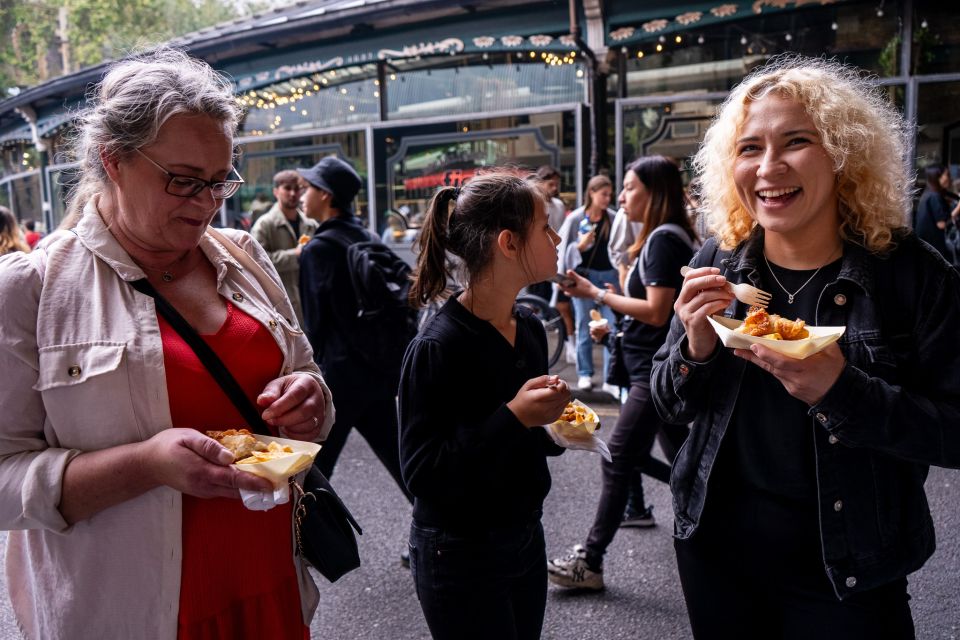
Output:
x,y
82,368
275,234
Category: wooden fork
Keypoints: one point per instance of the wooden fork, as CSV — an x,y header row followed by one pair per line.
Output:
x,y
743,292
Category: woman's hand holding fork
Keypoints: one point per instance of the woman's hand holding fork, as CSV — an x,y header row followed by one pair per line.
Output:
x,y
704,293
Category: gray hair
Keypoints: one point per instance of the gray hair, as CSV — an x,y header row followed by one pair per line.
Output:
x,y
134,100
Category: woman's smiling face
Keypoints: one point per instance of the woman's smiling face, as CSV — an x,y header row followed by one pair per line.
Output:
x,y
784,176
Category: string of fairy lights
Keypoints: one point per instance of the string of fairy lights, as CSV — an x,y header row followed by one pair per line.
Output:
x,y
282,99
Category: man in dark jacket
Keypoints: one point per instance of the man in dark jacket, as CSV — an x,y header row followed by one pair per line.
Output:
x,y
365,397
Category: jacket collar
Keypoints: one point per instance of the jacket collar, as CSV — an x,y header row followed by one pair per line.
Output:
x,y
855,268
96,237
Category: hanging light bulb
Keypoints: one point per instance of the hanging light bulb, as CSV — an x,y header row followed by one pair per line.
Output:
x,y
924,24
743,40
659,48
700,40
662,39
788,37
678,39
879,12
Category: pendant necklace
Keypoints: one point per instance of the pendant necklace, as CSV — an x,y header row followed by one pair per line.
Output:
x,y
166,274
790,296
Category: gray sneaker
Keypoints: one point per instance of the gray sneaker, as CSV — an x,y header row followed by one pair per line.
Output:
x,y
644,519
572,572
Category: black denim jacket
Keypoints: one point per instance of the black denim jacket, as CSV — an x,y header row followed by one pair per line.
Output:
x,y
894,410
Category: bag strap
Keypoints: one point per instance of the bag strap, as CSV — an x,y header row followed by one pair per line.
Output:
x,y
671,228
207,357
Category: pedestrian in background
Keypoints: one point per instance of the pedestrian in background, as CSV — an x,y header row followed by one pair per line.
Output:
x,y
473,396
584,248
937,210
365,390
799,496
31,235
11,239
652,196
280,230
124,518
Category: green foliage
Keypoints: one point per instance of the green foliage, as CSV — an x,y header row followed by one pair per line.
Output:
x,y
97,30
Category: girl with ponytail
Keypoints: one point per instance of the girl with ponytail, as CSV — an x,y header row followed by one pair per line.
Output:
x,y
473,396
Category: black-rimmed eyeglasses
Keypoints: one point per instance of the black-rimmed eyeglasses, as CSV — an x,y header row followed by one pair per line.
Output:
x,y
189,186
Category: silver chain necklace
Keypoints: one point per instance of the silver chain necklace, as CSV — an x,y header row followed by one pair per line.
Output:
x,y
790,296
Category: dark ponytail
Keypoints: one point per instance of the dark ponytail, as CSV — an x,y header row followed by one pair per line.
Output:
x,y
485,206
430,278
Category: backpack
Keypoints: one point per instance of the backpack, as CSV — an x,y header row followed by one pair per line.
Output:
x,y
385,321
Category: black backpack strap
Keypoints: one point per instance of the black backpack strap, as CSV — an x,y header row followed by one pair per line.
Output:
x,y
207,356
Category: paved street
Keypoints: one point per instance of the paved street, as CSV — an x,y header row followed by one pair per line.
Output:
x,y
642,600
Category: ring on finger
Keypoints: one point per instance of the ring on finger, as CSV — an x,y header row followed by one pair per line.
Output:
x,y
316,422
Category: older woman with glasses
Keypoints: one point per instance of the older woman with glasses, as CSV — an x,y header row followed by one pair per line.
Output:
x,y
125,519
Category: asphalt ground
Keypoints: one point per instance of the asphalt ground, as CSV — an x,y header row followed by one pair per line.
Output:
x,y
642,599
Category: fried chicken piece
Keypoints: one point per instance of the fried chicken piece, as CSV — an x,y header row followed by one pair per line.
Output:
x,y
791,329
240,442
757,322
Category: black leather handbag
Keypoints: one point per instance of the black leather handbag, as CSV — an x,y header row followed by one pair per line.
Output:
x,y
323,525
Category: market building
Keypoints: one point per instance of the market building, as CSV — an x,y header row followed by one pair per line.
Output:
x,y
421,93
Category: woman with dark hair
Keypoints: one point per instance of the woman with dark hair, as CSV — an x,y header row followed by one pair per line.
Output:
x,y
584,246
652,194
473,396
933,210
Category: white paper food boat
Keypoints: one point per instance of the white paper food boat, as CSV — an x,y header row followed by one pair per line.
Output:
x,y
820,338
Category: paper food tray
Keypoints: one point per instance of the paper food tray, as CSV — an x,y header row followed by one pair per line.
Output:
x,y
820,338
279,469
580,429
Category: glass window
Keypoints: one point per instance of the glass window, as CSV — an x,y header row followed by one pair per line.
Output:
x,y
673,129
5,195
260,161
420,159
61,181
26,201
938,127
327,99
499,83
936,39
717,57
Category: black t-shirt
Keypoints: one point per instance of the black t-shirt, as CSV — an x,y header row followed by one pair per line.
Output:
x,y
933,208
769,445
598,256
664,258
295,223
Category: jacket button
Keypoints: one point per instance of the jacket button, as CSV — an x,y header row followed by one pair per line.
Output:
x,y
838,505
684,370
238,297
74,371
832,439
521,364
851,582
840,299
822,417
273,324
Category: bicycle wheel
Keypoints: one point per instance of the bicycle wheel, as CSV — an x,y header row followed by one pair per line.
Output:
x,y
552,324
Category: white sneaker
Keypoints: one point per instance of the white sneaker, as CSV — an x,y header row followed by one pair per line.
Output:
x,y
572,572
612,389
584,383
570,351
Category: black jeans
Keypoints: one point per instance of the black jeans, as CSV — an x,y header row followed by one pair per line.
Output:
x,y
629,444
375,417
482,585
754,570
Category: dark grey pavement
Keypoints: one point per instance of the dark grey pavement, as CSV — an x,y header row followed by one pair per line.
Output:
x,y
642,599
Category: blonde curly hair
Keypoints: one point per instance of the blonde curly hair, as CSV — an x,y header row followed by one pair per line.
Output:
x,y
862,133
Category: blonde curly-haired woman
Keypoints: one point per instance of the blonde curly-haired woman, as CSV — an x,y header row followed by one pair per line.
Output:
x,y
799,498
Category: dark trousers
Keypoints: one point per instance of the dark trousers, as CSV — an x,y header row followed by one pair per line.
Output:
x,y
630,444
375,417
754,570
481,586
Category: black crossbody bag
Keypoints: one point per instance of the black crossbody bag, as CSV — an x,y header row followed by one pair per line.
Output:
x,y
323,525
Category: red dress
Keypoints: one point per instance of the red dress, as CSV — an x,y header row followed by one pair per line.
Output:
x,y
238,578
